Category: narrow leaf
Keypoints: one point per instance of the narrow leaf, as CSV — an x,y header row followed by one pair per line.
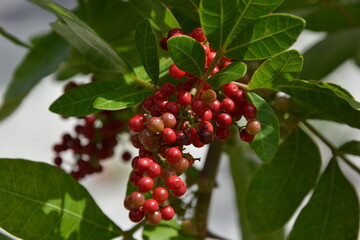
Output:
x,y
285,65
121,98
147,46
265,37
223,20
266,142
332,212
39,201
234,71
188,54
13,39
278,188
352,147
79,101
44,57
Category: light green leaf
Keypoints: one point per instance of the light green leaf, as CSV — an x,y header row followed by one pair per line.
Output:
x,y
352,147
234,71
266,142
121,98
188,54
40,201
265,37
278,188
13,39
285,65
44,57
332,212
223,20
79,101
164,231
147,46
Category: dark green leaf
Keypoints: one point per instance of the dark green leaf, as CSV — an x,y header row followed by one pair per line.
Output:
x,y
332,212
192,176
188,54
265,37
121,98
47,53
13,39
223,20
352,147
285,65
79,101
266,142
325,56
39,201
242,169
164,231
188,8
234,71
278,188
147,46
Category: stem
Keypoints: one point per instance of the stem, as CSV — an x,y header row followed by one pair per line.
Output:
x,y
206,184
142,83
128,234
333,149
242,86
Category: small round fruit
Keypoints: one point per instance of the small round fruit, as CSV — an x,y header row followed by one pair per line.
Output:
x,y
175,72
136,215
222,133
145,184
153,170
168,136
253,127
209,96
173,155
168,119
223,120
150,205
167,213
174,183
181,166
155,124
153,218
136,200
245,136
184,98
198,34
160,194
249,110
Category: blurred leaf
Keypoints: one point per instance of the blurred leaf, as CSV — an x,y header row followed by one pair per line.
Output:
x,y
147,46
188,54
234,71
278,188
47,196
265,37
352,147
285,65
44,57
5,237
223,20
13,39
242,169
188,9
121,98
192,176
329,16
326,55
266,142
79,101
164,231
332,212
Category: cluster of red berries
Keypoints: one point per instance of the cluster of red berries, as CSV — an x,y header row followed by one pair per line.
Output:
x,y
176,118
94,140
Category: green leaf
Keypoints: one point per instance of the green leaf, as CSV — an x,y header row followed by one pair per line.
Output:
x,y
266,142
265,37
332,212
223,20
5,237
242,169
188,54
164,231
278,188
234,71
147,46
285,65
13,39
79,101
34,195
121,98
44,57
352,147
326,55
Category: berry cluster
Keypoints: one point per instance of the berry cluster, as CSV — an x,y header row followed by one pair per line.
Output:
x,y
176,118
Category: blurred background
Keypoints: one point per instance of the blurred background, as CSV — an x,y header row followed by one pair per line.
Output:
x,y
32,130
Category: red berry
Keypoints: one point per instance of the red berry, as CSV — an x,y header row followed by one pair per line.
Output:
x,y
206,115
155,124
136,124
174,183
172,107
239,98
184,98
167,213
136,215
198,105
167,89
58,161
168,136
253,127
206,136
173,31
136,200
181,166
198,34
222,133
173,155
145,184
245,136
163,43
227,105
206,49
135,141
209,96
230,88
135,177
215,106
142,164
210,57
179,192
166,173
153,170
206,125
168,119
160,194
175,72
150,205
249,110
126,156
153,218
223,120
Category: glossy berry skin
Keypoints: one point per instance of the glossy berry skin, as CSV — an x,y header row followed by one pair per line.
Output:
x,y
215,106
174,183
198,34
167,89
210,57
209,96
136,124
227,105
136,215
239,98
206,136
181,166
179,192
206,115
198,105
153,218
160,194
175,72
206,125
163,43
223,120
172,107
167,213
168,136
153,170
168,119
173,31
136,200
141,164
249,110
253,127
145,184
222,133
155,124
150,205
206,49
245,136
135,177
184,98
230,88
173,155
